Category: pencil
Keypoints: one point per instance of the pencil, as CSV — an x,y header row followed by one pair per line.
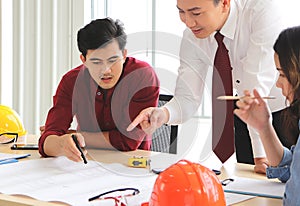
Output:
x,y
79,148
240,97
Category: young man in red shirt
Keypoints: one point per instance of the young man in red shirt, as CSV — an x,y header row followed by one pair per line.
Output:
x,y
104,94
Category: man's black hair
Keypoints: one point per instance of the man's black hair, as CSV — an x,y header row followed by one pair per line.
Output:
x,y
100,32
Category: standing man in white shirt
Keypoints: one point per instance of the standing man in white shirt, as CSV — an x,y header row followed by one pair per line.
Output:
x,y
250,28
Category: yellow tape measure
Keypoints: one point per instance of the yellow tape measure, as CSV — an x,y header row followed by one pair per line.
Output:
x,y
138,162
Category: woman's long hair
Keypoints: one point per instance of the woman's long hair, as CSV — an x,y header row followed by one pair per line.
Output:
x,y
287,46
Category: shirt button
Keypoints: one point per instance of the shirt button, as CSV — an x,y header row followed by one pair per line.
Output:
x,y
98,93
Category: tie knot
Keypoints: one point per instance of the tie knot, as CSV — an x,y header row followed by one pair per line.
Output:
x,y
219,37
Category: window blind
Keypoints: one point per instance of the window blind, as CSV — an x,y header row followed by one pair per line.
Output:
x,y
44,47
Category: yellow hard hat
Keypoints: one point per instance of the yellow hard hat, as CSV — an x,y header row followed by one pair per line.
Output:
x,y
11,125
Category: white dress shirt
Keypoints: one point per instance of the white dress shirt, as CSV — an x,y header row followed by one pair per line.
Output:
x,y
249,34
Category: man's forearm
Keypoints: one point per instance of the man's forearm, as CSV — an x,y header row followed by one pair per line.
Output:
x,y
53,145
257,145
97,140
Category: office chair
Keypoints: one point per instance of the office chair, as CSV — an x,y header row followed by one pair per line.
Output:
x,y
164,139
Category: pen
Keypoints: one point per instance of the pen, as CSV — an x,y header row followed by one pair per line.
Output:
x,y
8,161
239,97
79,148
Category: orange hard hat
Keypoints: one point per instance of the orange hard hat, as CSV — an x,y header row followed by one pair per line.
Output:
x,y
187,184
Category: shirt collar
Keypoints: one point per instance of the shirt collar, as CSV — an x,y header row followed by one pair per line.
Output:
x,y
228,29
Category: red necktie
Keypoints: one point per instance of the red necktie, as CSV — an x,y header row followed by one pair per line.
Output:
x,y
222,111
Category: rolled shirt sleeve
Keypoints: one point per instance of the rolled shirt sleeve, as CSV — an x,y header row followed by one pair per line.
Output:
x,y
282,171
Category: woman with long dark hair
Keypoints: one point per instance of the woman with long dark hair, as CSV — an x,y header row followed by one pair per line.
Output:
x,y
284,162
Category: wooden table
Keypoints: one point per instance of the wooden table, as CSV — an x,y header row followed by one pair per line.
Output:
x,y
107,156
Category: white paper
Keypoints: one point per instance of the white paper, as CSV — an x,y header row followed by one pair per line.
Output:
x,y
256,187
232,198
62,180
59,179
